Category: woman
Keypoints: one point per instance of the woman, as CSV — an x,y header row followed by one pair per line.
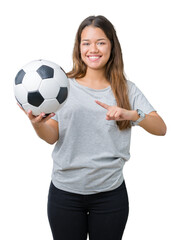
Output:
x,y
88,194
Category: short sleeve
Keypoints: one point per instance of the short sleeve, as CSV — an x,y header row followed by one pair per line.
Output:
x,y
138,100
55,117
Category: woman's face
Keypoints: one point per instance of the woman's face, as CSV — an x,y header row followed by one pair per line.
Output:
x,y
95,48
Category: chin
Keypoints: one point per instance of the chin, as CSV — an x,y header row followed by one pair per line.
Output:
x,y
96,66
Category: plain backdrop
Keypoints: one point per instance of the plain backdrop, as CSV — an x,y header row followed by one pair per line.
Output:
x,y
148,31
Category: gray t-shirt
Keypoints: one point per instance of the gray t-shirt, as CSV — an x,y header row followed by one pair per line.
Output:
x,y
91,151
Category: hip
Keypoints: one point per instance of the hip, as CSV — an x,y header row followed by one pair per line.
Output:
x,y
109,201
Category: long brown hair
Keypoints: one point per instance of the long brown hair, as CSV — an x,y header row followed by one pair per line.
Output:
x,y
114,67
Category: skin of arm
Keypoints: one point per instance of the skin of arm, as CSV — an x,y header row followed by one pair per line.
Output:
x,y
46,128
152,123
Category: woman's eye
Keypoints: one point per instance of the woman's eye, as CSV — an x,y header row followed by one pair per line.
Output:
x,y
85,44
101,43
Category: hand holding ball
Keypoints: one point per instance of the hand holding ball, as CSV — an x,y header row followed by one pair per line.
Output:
x,y
41,86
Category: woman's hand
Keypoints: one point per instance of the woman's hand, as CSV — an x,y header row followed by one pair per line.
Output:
x,y
152,123
45,127
117,113
37,121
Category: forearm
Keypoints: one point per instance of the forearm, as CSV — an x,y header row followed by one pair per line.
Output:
x,y
152,123
47,132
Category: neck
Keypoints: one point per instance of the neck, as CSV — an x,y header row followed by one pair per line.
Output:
x,y
95,75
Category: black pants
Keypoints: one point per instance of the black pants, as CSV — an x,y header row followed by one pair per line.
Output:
x,y
103,215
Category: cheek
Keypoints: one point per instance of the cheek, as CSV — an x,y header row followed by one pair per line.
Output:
x,y
107,51
107,54
83,52
83,56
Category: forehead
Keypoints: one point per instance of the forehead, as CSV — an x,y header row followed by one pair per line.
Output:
x,y
92,33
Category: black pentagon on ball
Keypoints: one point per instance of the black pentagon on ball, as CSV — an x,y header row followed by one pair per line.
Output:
x,y
19,77
35,98
45,72
62,95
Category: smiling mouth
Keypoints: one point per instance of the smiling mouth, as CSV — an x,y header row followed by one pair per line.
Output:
x,y
94,58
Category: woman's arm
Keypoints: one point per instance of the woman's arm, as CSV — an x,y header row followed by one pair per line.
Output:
x,y
46,128
152,123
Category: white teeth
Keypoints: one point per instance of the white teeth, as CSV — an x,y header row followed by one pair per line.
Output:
x,y
93,57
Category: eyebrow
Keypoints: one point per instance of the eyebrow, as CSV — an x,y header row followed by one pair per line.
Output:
x,y
100,39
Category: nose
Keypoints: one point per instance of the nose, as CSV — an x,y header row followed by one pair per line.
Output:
x,y
94,48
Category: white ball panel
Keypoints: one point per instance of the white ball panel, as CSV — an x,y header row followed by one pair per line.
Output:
x,y
32,66
49,106
61,78
35,110
50,64
20,93
49,88
31,81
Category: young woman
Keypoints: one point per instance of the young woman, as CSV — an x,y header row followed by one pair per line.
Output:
x,y
92,132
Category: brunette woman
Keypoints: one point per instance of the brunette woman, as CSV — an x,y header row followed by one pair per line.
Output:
x,y
92,131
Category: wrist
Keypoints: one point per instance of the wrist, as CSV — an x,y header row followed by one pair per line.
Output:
x,y
38,126
134,116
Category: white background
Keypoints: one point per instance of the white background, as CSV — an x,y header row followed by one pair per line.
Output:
x,y
40,29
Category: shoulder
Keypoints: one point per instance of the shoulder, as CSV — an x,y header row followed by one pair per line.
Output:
x,y
131,87
71,80
129,83
133,90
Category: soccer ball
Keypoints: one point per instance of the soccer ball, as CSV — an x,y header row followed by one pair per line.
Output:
x,y
41,86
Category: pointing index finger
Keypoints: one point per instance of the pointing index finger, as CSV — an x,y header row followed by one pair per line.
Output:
x,y
102,104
